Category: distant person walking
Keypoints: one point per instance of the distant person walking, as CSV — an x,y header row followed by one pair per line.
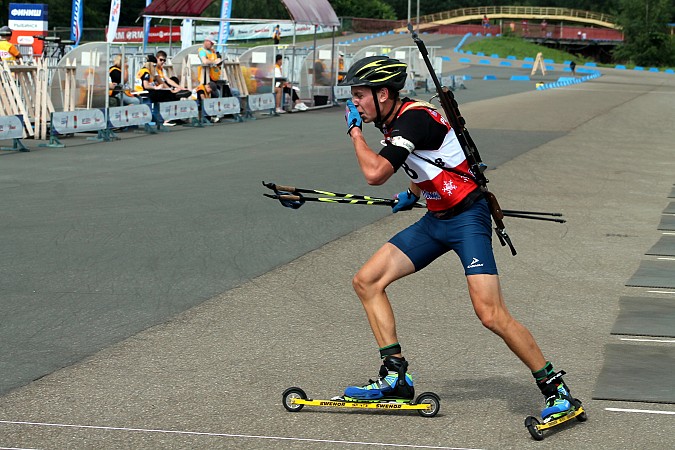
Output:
x,y
486,23
276,35
573,67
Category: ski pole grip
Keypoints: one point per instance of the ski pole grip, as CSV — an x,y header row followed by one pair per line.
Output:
x,y
293,198
285,188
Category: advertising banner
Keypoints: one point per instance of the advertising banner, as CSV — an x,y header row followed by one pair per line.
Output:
x,y
78,121
114,20
260,102
342,92
146,27
182,109
224,27
11,127
27,20
77,21
165,33
186,34
222,106
156,34
127,116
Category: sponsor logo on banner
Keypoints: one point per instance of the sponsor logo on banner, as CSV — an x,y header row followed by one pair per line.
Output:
x,y
157,34
259,102
27,25
122,116
78,121
222,106
27,11
25,40
182,109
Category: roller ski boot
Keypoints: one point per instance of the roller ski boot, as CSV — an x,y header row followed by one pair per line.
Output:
x,y
393,389
560,406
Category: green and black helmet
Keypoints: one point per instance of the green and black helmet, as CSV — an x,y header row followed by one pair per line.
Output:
x,y
377,71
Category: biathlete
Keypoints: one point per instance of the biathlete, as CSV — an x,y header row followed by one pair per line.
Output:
x,y
416,136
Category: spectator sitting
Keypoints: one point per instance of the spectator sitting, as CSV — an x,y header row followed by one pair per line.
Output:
x,y
320,76
172,83
117,91
146,80
208,90
284,87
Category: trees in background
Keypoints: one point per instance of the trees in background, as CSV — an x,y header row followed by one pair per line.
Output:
x,y
648,41
646,38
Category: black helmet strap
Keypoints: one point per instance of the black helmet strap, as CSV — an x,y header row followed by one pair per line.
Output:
x,y
379,120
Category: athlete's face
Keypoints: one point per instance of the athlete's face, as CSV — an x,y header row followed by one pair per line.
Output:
x,y
363,99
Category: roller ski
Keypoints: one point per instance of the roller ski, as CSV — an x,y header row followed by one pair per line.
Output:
x,y
560,407
392,390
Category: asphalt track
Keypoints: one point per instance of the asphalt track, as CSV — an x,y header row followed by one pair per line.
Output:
x,y
164,303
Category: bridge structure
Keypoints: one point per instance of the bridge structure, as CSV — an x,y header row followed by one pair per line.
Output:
x,y
550,14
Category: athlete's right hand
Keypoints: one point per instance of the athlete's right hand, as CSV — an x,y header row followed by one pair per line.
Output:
x,y
406,201
352,117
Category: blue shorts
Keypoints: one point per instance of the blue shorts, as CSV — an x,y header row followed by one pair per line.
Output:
x,y
468,234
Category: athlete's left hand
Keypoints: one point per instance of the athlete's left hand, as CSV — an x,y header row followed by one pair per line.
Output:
x,y
352,117
406,201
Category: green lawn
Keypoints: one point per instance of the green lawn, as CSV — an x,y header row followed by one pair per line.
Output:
x,y
512,46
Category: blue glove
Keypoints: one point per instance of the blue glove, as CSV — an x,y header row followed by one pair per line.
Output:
x,y
352,117
406,201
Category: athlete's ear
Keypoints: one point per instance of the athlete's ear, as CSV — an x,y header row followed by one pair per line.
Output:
x,y
383,94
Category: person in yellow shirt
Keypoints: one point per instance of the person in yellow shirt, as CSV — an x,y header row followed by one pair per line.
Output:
x,y
276,35
169,82
117,85
205,90
8,51
209,57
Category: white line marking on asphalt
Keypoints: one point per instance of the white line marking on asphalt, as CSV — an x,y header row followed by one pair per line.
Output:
x,y
243,436
649,340
661,292
668,233
617,90
666,259
16,448
643,411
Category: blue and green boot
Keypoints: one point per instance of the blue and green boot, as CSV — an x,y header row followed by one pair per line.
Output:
x,y
393,383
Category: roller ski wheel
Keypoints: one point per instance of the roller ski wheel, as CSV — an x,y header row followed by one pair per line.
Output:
x,y
582,417
290,396
532,425
537,428
428,398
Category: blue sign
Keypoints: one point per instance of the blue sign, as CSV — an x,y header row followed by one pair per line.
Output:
x,y
28,11
76,21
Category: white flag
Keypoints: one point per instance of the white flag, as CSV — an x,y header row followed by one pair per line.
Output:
x,y
186,34
115,6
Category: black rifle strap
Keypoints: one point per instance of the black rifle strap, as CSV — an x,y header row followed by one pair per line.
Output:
x,y
441,165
